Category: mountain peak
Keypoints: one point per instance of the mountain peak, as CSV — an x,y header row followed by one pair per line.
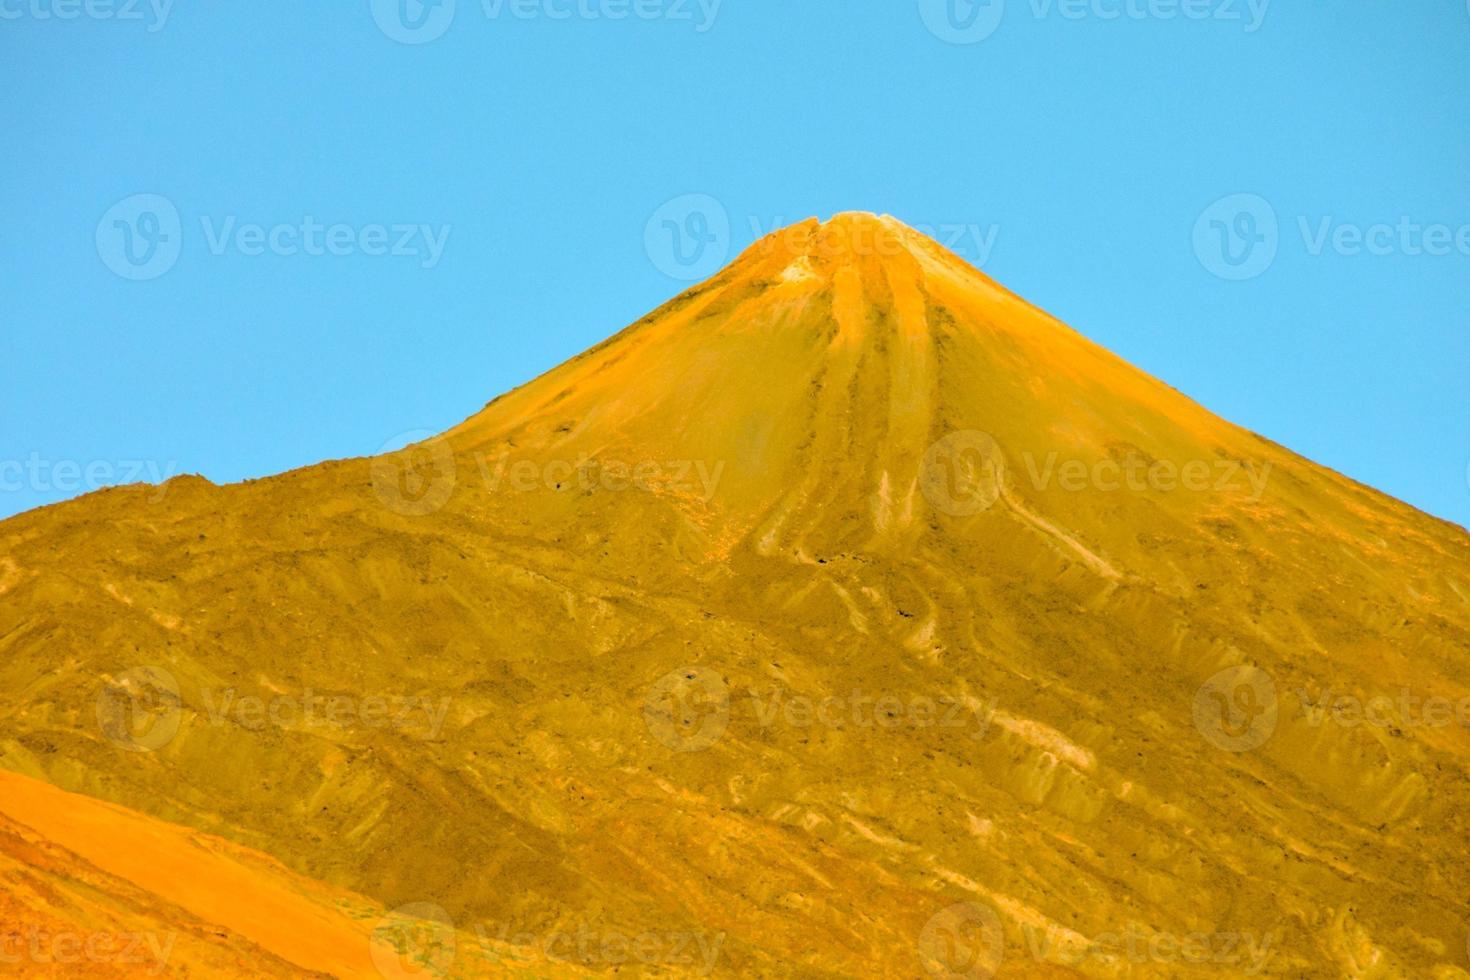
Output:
x,y
843,238
854,254
842,588
857,218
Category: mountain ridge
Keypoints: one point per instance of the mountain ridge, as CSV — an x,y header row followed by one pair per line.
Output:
x,y
662,589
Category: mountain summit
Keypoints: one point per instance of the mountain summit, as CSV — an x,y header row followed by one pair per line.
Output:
x,y
847,615
833,355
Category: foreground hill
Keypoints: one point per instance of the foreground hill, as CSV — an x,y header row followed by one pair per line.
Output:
x,y
845,616
93,889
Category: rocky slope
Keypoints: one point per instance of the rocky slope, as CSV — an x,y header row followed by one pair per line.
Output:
x,y
845,616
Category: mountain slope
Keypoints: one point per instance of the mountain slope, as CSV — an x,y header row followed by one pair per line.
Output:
x,y
92,889
844,588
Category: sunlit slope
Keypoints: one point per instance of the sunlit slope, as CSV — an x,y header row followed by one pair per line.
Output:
x,y
848,468
92,889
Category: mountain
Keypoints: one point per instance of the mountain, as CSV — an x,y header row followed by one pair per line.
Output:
x,y
845,616
93,889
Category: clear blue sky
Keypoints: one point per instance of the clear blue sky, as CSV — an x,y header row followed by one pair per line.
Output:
x,y
1090,139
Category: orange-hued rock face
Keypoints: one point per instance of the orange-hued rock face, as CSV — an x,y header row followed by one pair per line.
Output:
x,y
93,889
846,616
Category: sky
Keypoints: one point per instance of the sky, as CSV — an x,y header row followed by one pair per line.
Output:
x,y
242,238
